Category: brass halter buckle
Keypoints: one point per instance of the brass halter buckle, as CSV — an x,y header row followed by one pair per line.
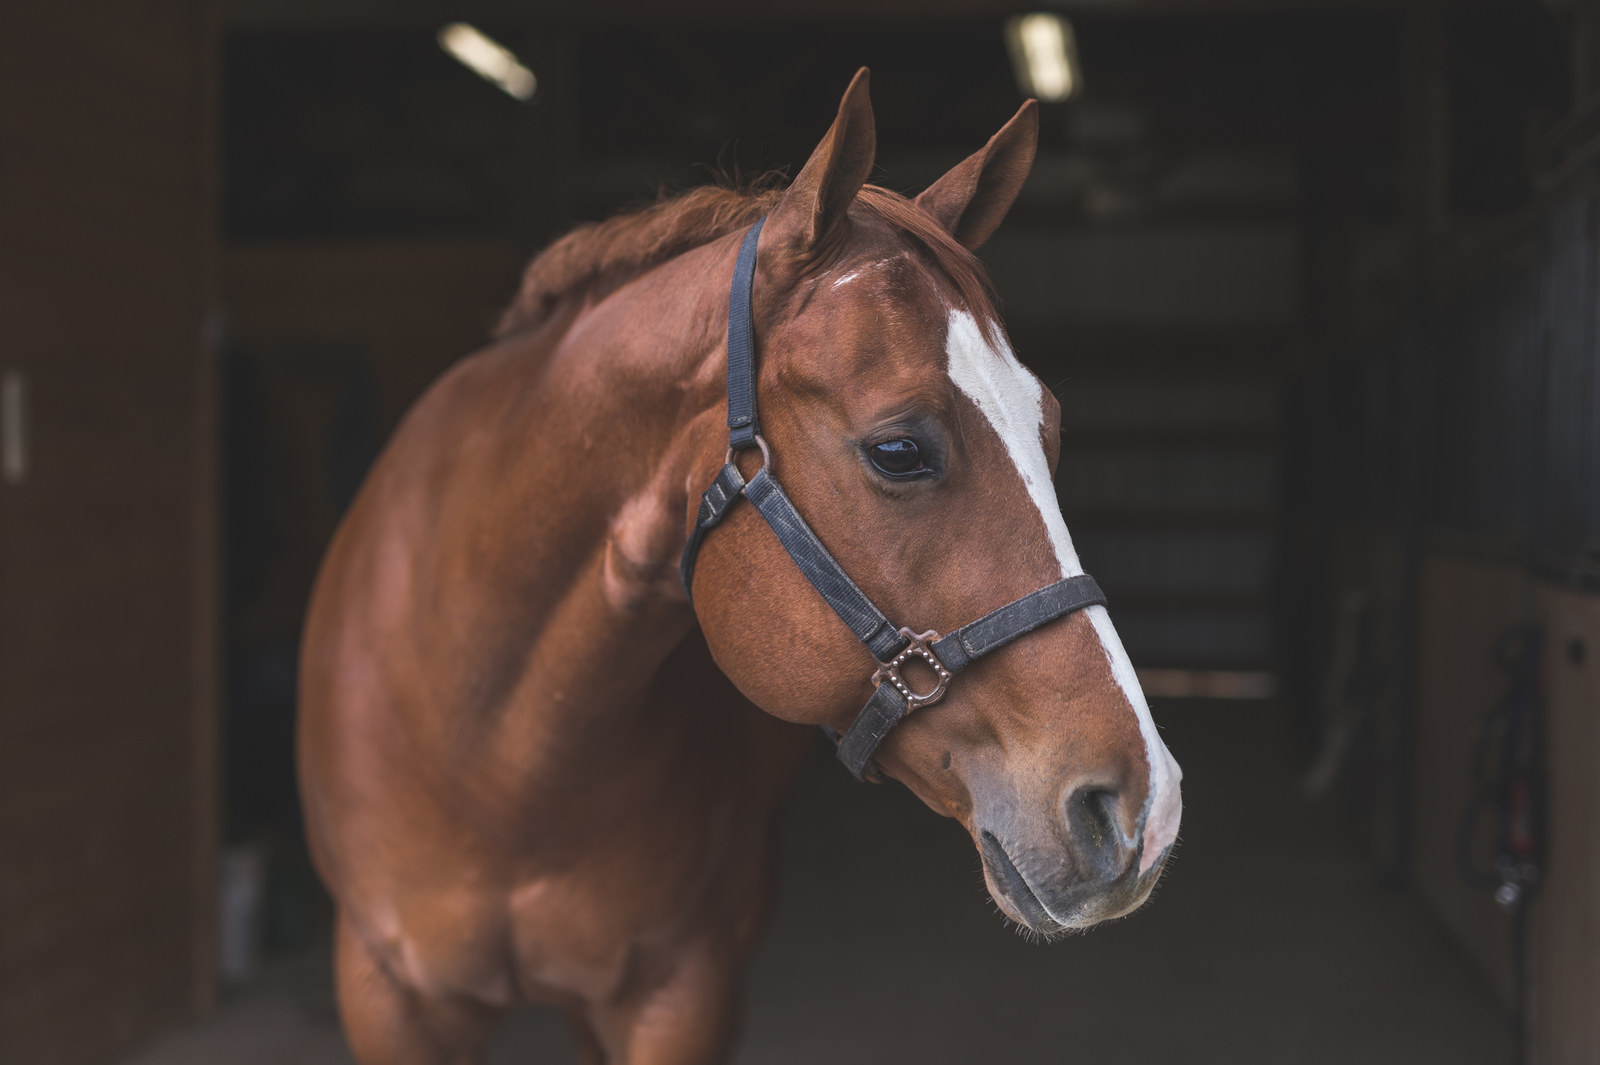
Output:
x,y
890,671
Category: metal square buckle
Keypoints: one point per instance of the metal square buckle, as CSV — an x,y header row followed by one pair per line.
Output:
x,y
890,671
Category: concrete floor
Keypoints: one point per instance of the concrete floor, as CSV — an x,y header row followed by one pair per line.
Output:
x,y
1268,941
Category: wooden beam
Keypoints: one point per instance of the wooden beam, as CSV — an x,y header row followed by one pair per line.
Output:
x,y
600,14
1231,436
1186,520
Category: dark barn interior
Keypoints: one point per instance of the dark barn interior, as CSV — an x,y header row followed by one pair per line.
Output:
x,y
1317,285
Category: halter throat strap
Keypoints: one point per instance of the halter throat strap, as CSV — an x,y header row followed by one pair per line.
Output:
x,y
889,645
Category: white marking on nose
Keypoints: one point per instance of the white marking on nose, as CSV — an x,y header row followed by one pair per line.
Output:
x,y
1165,805
1013,402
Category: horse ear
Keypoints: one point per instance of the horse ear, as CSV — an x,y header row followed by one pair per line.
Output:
x,y
813,208
972,199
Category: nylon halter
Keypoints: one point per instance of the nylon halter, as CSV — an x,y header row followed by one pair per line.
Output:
x,y
892,646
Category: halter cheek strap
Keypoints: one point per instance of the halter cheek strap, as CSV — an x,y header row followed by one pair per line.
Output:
x,y
890,645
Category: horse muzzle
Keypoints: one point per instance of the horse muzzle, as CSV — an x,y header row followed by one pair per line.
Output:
x,y
1080,871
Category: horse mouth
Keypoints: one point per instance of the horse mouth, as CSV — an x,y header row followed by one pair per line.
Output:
x,y
1015,887
1022,903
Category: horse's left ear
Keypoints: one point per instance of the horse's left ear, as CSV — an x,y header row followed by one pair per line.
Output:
x,y
973,198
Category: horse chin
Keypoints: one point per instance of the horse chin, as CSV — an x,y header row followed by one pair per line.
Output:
x,y
1045,914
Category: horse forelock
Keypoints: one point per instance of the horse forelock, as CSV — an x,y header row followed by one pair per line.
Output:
x,y
963,270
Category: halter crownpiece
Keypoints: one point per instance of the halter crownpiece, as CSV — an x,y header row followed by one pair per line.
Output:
x,y
891,645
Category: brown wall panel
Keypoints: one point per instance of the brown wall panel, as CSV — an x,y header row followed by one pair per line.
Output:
x,y
1566,920
1465,605
106,548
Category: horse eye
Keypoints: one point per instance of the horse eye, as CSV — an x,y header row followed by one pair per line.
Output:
x,y
897,457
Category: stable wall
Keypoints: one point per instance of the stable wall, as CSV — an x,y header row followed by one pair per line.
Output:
x,y
106,539
1464,604
1165,342
1566,921
322,328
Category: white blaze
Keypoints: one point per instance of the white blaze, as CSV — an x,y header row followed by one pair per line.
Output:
x,y
1011,399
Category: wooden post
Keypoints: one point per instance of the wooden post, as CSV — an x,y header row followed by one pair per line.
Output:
x,y
1424,143
207,556
1585,52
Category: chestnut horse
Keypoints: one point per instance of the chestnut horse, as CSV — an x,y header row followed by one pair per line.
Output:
x,y
530,764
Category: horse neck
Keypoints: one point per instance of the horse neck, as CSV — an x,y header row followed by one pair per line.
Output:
x,y
577,512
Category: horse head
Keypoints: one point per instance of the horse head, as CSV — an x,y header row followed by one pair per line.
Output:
x,y
922,454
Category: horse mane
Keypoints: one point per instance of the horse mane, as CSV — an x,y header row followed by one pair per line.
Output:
x,y
599,257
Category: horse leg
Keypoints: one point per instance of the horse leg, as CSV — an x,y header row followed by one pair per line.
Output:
x,y
387,1023
687,1018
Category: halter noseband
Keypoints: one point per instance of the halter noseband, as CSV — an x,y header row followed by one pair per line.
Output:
x,y
892,646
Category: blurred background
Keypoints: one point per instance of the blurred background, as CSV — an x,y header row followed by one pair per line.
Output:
x,y
1316,285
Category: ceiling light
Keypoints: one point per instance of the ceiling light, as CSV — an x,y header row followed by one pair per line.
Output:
x,y
488,59
1044,56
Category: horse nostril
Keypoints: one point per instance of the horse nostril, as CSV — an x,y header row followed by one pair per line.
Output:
x,y
1091,817
1096,807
